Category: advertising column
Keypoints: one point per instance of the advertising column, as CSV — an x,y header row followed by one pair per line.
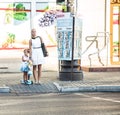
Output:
x,y
69,47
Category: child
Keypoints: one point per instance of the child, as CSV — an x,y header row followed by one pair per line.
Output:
x,y
25,67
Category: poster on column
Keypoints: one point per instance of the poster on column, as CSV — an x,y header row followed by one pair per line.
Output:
x,y
64,36
77,38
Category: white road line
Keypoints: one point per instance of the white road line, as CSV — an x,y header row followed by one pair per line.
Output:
x,y
99,98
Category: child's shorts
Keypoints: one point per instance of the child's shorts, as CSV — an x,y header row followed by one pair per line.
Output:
x,y
24,67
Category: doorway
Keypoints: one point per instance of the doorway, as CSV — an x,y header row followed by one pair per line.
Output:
x,y
115,32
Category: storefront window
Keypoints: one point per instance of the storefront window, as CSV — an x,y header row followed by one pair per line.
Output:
x,y
14,25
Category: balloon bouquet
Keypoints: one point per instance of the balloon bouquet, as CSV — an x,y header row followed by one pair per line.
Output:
x,y
48,19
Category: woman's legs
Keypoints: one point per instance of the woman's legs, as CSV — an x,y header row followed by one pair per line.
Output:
x,y
37,78
39,72
34,72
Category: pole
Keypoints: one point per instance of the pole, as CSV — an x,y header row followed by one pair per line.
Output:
x,y
70,70
72,62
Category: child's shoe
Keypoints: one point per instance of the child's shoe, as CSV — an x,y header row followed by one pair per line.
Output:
x,y
25,82
29,82
22,81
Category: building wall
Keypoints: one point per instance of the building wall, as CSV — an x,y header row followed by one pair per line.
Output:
x,y
94,20
12,24
95,15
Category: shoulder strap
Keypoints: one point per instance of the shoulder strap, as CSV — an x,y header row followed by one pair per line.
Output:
x,y
40,39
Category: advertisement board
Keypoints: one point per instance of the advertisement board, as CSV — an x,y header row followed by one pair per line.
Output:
x,y
68,32
64,36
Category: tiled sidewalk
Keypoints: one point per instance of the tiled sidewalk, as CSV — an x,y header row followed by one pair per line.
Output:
x,y
12,80
93,81
46,87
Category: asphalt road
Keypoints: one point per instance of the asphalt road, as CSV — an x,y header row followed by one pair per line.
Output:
x,y
60,104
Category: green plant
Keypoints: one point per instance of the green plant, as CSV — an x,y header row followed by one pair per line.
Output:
x,y
116,47
11,38
116,43
20,13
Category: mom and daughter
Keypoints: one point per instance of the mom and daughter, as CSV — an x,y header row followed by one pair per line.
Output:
x,y
33,56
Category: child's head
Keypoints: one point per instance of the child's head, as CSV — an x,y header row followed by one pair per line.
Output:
x,y
26,51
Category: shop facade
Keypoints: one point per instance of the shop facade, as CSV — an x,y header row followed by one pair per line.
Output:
x,y
100,27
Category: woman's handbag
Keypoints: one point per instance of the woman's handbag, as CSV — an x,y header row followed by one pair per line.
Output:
x,y
45,52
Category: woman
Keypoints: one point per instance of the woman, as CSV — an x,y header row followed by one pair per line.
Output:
x,y
36,55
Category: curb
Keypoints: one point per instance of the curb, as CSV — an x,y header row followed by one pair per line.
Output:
x,y
58,86
111,88
4,89
100,88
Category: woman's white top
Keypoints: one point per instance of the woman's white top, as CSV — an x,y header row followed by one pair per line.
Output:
x,y
37,53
